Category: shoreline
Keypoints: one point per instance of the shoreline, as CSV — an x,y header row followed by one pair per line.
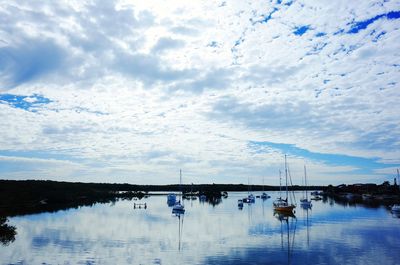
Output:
x,y
36,196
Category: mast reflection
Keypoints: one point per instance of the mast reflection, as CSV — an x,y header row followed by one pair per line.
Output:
x,y
288,221
180,229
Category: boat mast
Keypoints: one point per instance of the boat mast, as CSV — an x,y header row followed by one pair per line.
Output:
x,y
263,184
180,184
280,184
305,181
287,191
248,186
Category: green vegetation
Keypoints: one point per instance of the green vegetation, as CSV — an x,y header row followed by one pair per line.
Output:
x,y
35,196
31,196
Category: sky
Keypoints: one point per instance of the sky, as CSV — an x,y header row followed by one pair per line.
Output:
x,y
132,91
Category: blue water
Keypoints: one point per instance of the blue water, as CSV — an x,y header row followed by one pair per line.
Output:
x,y
117,233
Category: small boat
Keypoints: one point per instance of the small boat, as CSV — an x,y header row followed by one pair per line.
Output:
x,y
304,202
316,198
240,203
251,198
367,197
280,204
264,195
315,193
179,208
396,208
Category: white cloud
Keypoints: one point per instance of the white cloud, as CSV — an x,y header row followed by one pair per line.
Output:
x,y
146,88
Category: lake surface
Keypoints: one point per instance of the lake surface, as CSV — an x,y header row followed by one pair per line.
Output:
x,y
117,233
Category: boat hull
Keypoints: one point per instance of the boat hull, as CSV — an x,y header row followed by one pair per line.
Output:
x,y
396,209
287,209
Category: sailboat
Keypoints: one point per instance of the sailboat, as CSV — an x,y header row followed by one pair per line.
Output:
x,y
280,204
179,208
264,195
304,202
250,197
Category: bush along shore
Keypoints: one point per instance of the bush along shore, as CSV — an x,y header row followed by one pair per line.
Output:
x,y
372,195
31,196
35,196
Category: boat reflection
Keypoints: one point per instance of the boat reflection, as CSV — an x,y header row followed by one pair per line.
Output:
x,y
396,214
306,219
171,199
288,221
180,218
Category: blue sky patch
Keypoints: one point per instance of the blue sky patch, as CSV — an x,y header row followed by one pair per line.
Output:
x,y
265,18
301,30
364,165
364,24
28,103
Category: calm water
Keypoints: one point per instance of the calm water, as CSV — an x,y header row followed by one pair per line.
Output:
x,y
222,234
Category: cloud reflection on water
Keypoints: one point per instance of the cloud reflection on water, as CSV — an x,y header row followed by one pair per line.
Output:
x,y
106,234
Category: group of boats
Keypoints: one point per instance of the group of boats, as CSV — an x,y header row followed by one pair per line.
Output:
x,y
284,204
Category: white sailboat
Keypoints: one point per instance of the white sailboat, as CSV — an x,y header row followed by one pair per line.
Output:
x,y
280,204
305,202
179,208
395,208
264,195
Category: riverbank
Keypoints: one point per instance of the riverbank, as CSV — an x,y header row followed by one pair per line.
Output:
x,y
368,194
35,196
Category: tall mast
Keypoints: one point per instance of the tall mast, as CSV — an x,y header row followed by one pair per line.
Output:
x,y
263,184
280,184
305,181
180,182
287,191
248,185
398,178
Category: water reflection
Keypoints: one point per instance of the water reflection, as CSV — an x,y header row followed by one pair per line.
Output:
x,y
396,214
306,222
7,232
180,218
288,222
117,234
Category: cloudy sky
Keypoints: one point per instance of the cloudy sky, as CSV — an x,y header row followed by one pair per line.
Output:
x,y
132,91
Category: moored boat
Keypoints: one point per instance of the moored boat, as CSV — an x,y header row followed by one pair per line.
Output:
x,y
280,204
304,202
179,208
395,208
